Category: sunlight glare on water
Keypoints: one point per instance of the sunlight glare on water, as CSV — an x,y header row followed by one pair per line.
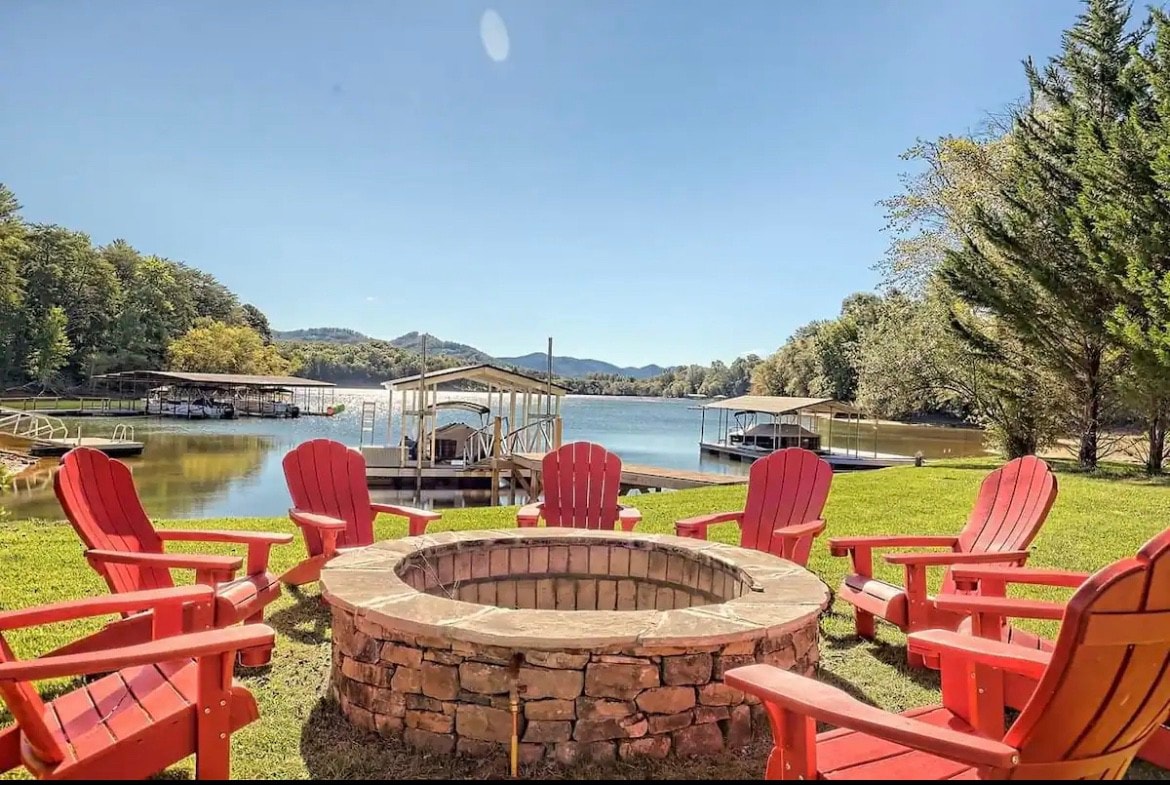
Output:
x,y
494,35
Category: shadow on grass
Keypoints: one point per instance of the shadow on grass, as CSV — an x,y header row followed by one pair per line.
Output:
x,y
890,654
306,620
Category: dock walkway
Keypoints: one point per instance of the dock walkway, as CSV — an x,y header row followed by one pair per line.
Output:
x,y
642,478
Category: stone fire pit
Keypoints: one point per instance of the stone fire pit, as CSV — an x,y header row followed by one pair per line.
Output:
x,y
620,641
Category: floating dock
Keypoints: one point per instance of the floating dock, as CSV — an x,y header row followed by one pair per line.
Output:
x,y
47,448
48,436
637,477
838,460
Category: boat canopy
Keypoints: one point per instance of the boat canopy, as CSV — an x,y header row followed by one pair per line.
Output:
x,y
773,404
467,406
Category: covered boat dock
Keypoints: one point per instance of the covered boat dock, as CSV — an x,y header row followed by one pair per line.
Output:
x,y
517,413
752,426
248,395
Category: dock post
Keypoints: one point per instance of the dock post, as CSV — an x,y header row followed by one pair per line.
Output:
x,y
497,437
558,429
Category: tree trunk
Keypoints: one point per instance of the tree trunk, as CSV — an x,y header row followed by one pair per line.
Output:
x,y
1091,413
1156,433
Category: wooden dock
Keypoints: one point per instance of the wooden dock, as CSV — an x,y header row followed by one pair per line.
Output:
x,y
637,477
47,448
840,461
47,436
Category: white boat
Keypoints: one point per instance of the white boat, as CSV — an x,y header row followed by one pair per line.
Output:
x,y
201,408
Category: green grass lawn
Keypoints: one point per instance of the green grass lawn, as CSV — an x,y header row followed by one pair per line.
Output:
x,y
1096,519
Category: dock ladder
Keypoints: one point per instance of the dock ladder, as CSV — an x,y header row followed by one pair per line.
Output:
x,y
369,422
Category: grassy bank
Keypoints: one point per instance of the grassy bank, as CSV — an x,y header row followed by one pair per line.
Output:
x,y
1096,519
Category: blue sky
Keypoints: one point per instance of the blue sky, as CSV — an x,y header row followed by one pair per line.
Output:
x,y
650,181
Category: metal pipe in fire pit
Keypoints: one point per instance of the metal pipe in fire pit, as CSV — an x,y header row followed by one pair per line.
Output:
x,y
514,704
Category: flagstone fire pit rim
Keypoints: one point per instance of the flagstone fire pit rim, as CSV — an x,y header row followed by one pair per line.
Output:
x,y
782,596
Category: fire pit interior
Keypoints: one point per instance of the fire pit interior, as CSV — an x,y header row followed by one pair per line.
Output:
x,y
612,644
535,574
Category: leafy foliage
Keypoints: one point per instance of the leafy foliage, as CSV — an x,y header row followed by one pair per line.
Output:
x,y
216,347
69,310
49,346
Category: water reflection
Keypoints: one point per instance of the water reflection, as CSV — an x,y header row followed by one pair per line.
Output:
x,y
232,468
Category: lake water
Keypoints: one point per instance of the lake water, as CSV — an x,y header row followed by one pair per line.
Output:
x,y
206,469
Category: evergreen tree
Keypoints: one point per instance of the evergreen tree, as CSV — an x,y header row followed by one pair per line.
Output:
x,y
1024,261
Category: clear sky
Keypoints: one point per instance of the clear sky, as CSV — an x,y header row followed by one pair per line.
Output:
x,y
645,181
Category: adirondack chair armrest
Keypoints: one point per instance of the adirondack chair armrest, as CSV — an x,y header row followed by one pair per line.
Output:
x,y
816,701
326,526
1012,607
416,519
696,527
259,543
628,517
941,559
529,514
935,646
312,519
981,576
860,549
841,546
209,569
221,535
127,602
797,530
193,645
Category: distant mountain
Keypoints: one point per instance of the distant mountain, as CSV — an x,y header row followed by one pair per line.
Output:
x,y
564,367
321,335
412,342
574,367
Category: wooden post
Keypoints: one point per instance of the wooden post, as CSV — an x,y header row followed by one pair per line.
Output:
x,y
422,398
548,401
496,439
558,424
512,411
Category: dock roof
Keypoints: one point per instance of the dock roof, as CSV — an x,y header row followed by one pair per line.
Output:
x,y
773,404
483,373
211,379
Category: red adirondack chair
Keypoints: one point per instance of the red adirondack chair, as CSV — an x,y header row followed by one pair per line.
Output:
x,y
163,699
1012,504
989,613
332,507
1100,694
122,545
582,482
786,497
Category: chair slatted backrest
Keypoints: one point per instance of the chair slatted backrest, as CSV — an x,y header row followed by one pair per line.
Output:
x,y
785,488
1013,502
582,482
27,708
1107,687
100,500
327,478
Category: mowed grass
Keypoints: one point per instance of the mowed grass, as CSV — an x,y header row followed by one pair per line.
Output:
x,y
1096,519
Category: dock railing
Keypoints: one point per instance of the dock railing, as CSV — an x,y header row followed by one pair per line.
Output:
x,y
541,435
536,436
31,426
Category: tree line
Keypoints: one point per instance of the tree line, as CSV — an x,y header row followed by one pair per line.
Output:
x,y
70,309
718,378
1027,284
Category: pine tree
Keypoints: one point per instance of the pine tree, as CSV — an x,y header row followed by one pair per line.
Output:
x,y
1123,221
1026,260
